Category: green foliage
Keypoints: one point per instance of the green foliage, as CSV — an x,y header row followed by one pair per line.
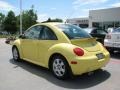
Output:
x,y
7,36
3,36
54,20
2,16
10,23
29,18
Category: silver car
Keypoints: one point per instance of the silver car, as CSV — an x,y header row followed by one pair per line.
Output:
x,y
112,40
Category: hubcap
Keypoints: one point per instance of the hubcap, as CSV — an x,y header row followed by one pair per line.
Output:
x,y
59,67
15,53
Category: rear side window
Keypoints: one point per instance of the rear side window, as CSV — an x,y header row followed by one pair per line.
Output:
x,y
47,34
73,32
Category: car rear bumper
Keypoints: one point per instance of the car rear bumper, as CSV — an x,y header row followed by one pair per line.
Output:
x,y
112,45
89,64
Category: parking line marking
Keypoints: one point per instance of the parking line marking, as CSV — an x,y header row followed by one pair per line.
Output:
x,y
115,61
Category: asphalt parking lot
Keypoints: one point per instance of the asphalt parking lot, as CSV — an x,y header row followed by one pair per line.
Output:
x,y
27,76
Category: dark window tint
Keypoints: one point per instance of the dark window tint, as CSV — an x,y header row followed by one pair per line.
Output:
x,y
94,31
47,34
73,32
101,32
98,31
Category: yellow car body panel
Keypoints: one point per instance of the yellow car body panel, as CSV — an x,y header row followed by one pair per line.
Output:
x,y
40,51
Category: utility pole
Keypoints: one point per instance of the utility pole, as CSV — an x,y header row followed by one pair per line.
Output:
x,y
20,17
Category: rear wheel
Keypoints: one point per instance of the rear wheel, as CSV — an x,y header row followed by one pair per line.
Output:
x,y
15,53
60,67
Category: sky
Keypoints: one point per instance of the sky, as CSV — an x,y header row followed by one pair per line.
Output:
x,y
63,9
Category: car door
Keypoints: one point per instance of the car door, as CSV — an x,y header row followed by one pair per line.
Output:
x,y
47,39
94,33
29,45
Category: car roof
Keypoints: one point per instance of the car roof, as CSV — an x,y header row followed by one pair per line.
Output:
x,y
50,23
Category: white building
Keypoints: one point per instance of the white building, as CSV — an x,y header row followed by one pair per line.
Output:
x,y
103,18
82,22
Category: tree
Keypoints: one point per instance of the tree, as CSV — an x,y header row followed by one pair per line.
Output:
x,y
57,20
10,23
29,18
49,20
53,20
2,17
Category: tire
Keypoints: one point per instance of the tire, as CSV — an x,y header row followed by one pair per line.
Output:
x,y
60,67
15,53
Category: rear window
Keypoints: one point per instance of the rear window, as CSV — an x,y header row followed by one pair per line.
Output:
x,y
116,30
73,32
101,31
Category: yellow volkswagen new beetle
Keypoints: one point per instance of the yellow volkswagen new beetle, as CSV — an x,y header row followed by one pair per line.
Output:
x,y
63,48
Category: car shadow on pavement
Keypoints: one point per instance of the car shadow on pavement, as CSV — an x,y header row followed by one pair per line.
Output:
x,y
78,82
115,55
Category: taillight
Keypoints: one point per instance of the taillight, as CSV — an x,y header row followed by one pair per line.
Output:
x,y
108,36
78,51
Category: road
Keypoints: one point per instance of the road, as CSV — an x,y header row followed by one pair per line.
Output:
x,y
27,76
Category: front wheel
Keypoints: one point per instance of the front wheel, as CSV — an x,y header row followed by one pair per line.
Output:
x,y
15,53
60,67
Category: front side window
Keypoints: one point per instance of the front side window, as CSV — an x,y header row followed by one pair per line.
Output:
x,y
73,32
33,33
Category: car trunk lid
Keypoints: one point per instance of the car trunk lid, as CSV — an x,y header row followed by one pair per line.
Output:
x,y
89,44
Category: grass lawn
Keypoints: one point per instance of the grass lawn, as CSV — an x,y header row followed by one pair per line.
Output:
x,y
7,36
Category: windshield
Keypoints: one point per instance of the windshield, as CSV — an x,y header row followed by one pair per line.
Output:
x,y
73,32
116,30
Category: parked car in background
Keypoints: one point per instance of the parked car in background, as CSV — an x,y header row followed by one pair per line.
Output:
x,y
3,33
109,30
112,40
98,33
63,48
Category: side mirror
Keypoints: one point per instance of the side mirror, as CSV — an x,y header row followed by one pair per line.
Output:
x,y
22,36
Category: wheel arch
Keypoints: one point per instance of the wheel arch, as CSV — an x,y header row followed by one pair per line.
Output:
x,y
54,55
63,49
17,45
58,54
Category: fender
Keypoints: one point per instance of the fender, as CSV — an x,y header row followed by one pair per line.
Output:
x,y
17,43
64,49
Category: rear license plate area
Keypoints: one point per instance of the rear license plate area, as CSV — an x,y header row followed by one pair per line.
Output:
x,y
100,56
